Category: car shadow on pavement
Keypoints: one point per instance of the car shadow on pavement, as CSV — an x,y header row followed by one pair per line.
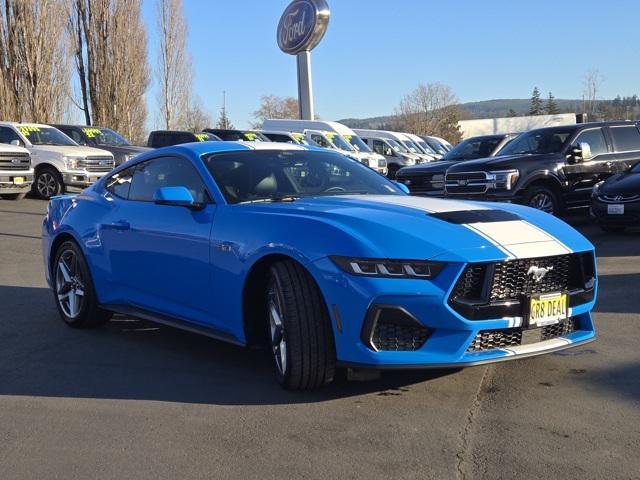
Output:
x,y
135,359
613,296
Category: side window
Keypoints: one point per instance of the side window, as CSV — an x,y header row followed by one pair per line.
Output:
x,y
166,172
7,135
378,147
76,136
625,138
595,139
160,140
120,183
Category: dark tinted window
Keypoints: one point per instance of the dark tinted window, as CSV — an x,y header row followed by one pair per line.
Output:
x,y
119,183
473,148
7,135
277,137
539,142
75,135
595,138
626,138
161,172
159,140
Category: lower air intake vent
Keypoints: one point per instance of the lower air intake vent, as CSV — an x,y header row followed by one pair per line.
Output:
x,y
393,328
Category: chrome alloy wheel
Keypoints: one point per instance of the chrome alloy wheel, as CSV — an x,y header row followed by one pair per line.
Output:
x,y
46,184
542,201
276,330
69,284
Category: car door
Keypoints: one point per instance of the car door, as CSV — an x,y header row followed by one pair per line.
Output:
x,y
159,255
626,144
583,175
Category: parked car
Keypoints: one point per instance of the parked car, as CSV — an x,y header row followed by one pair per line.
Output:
x,y
16,174
167,138
428,178
426,148
322,259
103,138
229,135
553,169
615,203
59,163
396,154
333,135
440,145
287,137
401,138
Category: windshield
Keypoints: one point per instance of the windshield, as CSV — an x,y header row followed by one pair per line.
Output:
x,y
105,136
357,143
396,145
301,139
411,146
436,145
426,148
636,168
246,176
538,142
339,142
473,148
45,135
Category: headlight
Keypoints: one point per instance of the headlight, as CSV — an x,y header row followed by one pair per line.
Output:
x,y
504,179
72,163
374,267
410,161
596,189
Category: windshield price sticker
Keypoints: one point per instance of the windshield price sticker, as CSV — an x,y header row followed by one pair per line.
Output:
x,y
92,132
250,136
202,137
26,130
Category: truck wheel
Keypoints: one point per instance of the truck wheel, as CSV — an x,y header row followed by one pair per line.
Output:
x,y
73,289
299,329
14,196
542,198
47,183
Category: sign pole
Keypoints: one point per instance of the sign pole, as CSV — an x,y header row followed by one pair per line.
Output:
x,y
305,87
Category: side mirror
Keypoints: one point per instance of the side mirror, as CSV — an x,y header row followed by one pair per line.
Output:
x,y
177,197
402,187
15,143
581,153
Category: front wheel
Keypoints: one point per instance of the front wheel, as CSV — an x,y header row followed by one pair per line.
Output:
x,y
299,329
541,198
73,289
47,183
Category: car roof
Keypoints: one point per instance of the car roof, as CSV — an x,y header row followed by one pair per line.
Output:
x,y
26,124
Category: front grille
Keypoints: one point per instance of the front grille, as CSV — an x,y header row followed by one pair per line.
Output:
x,y
97,164
429,184
513,337
495,290
619,198
467,182
14,161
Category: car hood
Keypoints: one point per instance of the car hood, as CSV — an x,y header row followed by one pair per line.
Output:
x,y
437,166
399,226
72,150
503,162
125,149
622,184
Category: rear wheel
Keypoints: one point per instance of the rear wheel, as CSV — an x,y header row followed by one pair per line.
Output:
x,y
47,183
300,330
73,289
14,196
612,228
542,198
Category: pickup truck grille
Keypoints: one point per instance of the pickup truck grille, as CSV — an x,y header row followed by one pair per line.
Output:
x,y
424,184
15,161
97,164
467,183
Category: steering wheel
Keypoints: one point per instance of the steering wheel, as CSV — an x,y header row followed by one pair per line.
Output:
x,y
335,189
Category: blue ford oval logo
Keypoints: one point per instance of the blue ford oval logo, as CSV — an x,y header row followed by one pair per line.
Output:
x,y
302,25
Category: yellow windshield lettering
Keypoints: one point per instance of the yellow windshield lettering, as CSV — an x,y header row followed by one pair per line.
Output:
x,y
91,132
250,136
202,137
26,130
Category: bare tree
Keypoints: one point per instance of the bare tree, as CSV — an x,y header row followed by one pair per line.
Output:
x,y
431,109
174,64
34,73
196,118
272,106
592,82
114,64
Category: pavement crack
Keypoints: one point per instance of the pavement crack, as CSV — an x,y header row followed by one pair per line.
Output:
x,y
469,423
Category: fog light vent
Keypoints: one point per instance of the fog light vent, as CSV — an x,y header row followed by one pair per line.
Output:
x,y
392,328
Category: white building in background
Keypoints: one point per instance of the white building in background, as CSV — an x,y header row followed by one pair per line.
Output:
x,y
488,126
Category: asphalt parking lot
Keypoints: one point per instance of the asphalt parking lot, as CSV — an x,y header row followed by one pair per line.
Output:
x,y
134,400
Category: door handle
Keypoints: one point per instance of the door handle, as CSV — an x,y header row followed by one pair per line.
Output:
x,y
120,225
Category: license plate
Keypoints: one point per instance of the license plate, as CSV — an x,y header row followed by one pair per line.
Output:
x,y
615,209
18,180
547,309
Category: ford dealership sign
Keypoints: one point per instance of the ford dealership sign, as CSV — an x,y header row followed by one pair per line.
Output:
x,y
302,25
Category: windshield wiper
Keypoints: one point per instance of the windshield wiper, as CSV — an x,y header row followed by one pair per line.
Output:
x,y
274,199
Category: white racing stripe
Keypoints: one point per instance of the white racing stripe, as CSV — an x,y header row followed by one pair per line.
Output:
x,y
427,205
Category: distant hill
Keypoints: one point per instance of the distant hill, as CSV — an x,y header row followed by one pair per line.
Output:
x,y
483,109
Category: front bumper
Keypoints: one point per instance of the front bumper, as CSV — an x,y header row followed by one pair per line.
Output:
x,y
15,182
602,213
450,335
81,178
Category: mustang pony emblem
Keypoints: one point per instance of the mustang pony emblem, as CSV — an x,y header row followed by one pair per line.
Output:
x,y
538,273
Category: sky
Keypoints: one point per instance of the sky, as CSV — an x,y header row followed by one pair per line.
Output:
x,y
376,51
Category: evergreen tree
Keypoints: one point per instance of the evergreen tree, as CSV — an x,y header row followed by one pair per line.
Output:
x,y
512,113
223,121
552,106
536,103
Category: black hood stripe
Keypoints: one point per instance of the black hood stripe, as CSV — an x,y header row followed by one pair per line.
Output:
x,y
462,217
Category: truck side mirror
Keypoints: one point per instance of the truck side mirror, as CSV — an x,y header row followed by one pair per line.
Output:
x,y
581,153
15,143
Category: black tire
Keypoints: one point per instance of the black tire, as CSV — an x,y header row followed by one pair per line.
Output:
x,y
542,198
47,183
392,171
612,228
14,196
309,349
87,313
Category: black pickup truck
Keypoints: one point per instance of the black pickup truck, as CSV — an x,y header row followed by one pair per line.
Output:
x,y
553,169
427,179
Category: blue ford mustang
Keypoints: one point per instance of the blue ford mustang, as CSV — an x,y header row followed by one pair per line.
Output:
x,y
328,262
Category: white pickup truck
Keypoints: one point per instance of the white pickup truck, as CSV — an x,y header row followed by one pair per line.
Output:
x,y
16,174
59,163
